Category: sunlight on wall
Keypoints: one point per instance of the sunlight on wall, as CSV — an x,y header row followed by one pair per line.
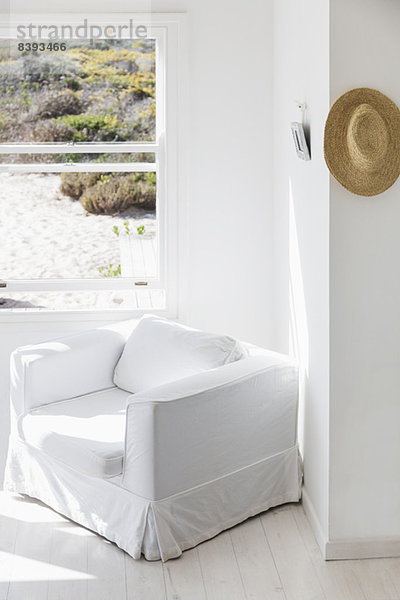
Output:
x,y
298,324
298,330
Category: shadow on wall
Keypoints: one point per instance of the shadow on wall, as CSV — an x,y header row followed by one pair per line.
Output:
x,y
298,323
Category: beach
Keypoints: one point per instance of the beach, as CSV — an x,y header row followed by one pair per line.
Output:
x,y
46,235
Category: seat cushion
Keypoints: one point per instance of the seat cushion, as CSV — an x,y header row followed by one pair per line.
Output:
x,y
87,433
159,351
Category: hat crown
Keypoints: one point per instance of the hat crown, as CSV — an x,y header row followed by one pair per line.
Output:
x,y
362,141
367,137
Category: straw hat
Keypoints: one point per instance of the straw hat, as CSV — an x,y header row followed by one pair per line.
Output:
x,y
362,141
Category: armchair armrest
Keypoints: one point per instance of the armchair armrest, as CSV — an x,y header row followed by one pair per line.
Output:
x,y
64,368
194,430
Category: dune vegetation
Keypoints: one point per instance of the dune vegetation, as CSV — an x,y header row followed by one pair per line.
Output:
x,y
101,91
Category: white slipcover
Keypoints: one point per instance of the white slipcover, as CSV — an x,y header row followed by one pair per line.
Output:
x,y
159,351
86,433
200,454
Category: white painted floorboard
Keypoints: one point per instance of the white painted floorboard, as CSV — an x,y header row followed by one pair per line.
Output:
x,y
44,556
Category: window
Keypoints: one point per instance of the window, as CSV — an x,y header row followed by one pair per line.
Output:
x,y
88,163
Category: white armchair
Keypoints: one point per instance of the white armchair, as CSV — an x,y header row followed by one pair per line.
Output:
x,y
167,467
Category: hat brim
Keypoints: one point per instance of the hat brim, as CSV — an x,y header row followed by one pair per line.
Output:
x,y
352,175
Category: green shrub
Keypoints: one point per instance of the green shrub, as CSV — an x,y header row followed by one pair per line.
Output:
x,y
143,195
116,83
105,198
143,125
37,68
52,131
119,193
150,178
4,119
74,184
110,270
88,127
56,104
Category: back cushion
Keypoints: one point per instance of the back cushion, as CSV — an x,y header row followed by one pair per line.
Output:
x,y
159,351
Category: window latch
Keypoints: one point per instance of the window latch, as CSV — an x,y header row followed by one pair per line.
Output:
x,y
140,282
3,284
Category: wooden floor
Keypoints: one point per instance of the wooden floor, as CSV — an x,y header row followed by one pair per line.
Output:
x,y
270,557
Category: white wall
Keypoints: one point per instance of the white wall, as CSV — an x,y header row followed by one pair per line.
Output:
x,y
225,242
229,206
365,298
343,262
301,73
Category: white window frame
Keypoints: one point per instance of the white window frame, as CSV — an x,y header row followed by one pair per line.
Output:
x,y
167,29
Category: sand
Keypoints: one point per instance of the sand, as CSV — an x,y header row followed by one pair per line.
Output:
x,y
45,235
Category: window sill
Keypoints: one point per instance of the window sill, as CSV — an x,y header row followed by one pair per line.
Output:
x,y
18,315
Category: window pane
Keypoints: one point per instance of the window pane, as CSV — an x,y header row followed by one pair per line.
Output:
x,y
78,225
150,299
115,157
99,91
